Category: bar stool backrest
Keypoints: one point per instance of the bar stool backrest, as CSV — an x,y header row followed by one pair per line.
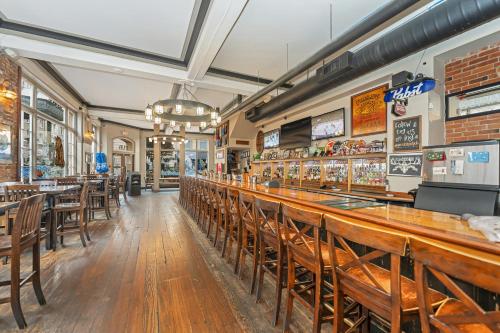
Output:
x,y
26,229
444,263
232,205
358,274
247,211
21,191
220,196
302,234
266,215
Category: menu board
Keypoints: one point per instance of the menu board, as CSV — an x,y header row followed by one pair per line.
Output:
x,y
409,165
369,112
406,134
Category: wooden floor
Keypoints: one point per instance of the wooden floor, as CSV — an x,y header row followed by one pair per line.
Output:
x,y
144,271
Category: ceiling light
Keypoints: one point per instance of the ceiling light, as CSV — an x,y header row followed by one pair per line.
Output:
x,y
150,139
172,123
203,124
178,108
149,118
213,122
157,120
219,119
200,111
159,109
213,115
169,130
188,124
148,111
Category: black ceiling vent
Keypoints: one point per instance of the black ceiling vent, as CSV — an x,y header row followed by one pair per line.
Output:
x,y
335,68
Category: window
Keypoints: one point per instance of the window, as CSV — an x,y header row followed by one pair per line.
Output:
x,y
196,159
26,146
26,93
48,106
473,102
169,159
71,147
47,165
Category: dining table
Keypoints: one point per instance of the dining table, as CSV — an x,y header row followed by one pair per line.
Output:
x,y
6,205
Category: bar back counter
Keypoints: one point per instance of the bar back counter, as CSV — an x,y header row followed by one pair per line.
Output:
x,y
443,231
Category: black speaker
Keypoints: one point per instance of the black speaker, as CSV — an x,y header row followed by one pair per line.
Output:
x,y
401,78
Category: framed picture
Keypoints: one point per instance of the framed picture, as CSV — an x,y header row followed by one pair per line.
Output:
x,y
5,144
405,165
369,112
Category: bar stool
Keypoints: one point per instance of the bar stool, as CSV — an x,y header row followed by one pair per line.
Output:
x,y
272,251
382,291
249,236
198,200
305,249
212,208
233,227
205,206
25,235
459,313
220,225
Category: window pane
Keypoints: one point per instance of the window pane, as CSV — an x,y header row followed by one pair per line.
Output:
x,y
169,164
203,145
26,93
191,144
202,161
48,106
70,160
71,120
26,148
190,163
47,133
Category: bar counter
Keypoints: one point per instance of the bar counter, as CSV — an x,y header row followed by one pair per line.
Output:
x,y
443,228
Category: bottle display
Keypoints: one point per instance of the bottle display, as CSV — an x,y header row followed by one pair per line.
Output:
x,y
279,171
293,171
336,171
368,172
266,171
312,171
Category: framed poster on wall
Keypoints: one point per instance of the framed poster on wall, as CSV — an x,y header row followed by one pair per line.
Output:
x,y
369,112
407,134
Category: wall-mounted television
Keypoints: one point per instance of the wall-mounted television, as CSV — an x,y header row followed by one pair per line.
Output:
x,y
272,139
296,134
329,125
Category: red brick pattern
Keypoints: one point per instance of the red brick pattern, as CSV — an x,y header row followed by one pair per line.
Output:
x,y
477,69
9,115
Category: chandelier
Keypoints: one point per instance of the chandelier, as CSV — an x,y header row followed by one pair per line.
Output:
x,y
186,111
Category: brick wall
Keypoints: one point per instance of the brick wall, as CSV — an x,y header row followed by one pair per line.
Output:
x,y
10,115
477,69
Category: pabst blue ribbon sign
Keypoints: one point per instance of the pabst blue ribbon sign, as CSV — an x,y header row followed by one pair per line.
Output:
x,y
409,90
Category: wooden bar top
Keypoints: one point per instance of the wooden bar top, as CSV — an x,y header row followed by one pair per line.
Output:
x,y
442,227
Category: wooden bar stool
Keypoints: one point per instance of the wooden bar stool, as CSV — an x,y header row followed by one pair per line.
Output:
x,y
272,250
382,291
233,227
249,236
25,235
305,249
198,201
212,208
220,225
459,313
205,206
79,224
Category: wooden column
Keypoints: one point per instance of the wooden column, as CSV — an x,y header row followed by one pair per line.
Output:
x,y
182,153
156,160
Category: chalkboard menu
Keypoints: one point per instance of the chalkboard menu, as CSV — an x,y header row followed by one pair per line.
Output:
x,y
406,134
409,165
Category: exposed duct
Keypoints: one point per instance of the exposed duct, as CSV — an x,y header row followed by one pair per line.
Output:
x,y
439,23
383,15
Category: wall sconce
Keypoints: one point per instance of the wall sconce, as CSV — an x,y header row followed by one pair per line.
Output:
x,y
6,92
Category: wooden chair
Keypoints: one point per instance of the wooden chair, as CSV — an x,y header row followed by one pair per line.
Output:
x,y
114,189
99,199
249,236
272,250
232,228
459,313
382,291
72,196
205,206
79,224
212,208
305,248
25,235
220,225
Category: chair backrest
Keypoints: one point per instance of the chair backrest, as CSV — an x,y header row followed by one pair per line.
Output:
x,y
67,181
302,234
247,211
266,215
21,191
377,243
232,206
220,196
444,263
84,194
26,229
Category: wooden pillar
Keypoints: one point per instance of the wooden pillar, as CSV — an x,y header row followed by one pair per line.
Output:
x,y
182,152
156,160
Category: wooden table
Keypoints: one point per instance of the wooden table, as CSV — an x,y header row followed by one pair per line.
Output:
x,y
437,226
6,205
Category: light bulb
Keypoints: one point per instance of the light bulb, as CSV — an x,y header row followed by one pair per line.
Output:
x,y
213,122
188,125
178,108
203,124
149,111
157,120
213,115
172,123
219,119
150,117
200,111
159,109
150,139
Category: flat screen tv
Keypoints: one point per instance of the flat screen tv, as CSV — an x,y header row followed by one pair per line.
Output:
x,y
296,134
328,125
272,139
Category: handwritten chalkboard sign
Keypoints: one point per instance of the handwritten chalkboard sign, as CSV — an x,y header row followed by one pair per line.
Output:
x,y
409,165
407,134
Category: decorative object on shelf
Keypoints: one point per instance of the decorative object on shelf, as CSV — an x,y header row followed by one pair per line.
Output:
x,y
5,144
259,142
369,112
408,165
436,156
183,111
286,154
406,134
256,157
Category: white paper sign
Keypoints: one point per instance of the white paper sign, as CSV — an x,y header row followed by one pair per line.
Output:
x,y
457,152
457,167
439,171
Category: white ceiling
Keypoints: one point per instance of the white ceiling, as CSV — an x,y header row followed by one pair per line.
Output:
x,y
257,43
116,90
158,26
